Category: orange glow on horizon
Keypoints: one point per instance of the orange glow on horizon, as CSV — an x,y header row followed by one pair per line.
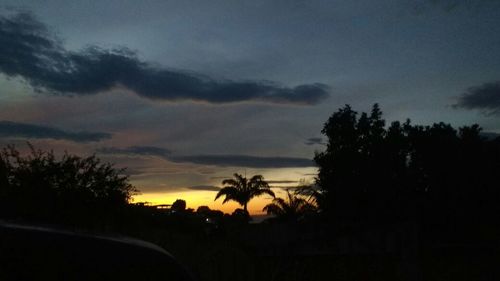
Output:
x,y
194,199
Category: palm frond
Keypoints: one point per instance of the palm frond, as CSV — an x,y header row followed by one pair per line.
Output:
x,y
228,191
258,181
291,208
242,190
240,178
230,182
280,202
257,178
311,192
262,191
273,209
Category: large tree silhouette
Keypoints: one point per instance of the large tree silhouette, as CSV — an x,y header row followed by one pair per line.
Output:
x,y
434,174
242,190
358,157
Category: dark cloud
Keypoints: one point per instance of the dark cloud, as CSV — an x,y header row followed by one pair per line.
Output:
x,y
204,187
29,50
485,97
281,181
136,150
215,160
23,130
314,141
245,161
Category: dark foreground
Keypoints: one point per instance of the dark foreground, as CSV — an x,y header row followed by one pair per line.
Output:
x,y
240,251
30,252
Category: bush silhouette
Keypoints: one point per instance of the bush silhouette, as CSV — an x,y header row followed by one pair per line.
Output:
x,y
73,189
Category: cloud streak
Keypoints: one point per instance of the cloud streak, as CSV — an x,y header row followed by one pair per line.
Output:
x,y
29,50
204,187
485,97
244,161
227,160
136,150
32,131
314,141
282,181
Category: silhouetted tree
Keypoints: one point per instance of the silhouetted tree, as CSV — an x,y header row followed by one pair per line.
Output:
x,y
207,213
178,206
240,216
291,208
40,186
313,194
203,210
358,168
242,190
433,174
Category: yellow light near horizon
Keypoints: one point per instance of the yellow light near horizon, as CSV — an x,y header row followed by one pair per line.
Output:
x,y
194,199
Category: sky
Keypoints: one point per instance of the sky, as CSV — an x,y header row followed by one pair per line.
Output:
x,y
186,93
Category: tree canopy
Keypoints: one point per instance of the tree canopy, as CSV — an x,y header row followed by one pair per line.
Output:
x,y
38,186
242,190
403,171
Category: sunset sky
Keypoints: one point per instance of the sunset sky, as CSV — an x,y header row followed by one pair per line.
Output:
x,y
186,93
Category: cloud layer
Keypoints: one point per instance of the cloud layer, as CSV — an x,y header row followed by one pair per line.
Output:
x,y
485,97
136,150
314,141
204,187
227,160
244,161
24,130
29,50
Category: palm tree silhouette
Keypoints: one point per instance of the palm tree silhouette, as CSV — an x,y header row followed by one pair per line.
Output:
x,y
242,190
291,208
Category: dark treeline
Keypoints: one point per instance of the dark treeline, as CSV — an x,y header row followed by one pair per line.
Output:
x,y
437,176
87,194
72,191
388,201
369,172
